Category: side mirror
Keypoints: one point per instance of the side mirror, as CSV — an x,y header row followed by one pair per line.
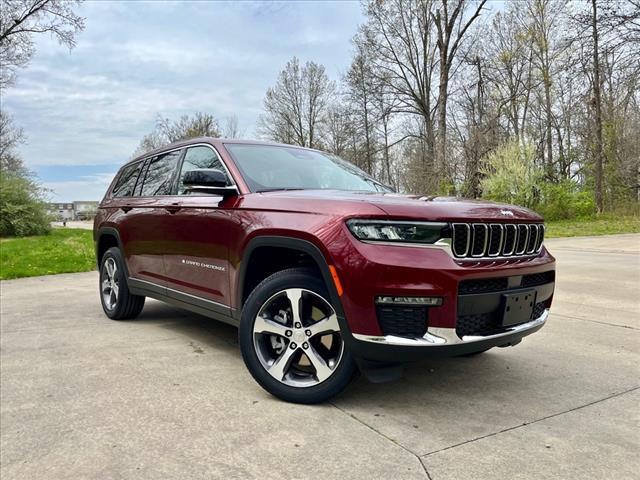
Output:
x,y
208,180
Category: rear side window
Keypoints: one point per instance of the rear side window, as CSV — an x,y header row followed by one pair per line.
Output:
x,y
199,157
127,181
160,176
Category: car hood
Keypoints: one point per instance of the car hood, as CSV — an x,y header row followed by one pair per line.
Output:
x,y
395,205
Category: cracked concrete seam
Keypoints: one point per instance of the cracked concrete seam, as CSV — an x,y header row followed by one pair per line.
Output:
x,y
595,321
580,407
386,437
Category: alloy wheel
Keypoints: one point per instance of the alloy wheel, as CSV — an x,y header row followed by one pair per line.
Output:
x,y
297,338
109,283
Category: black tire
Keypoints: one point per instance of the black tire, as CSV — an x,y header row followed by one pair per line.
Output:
x,y
343,372
473,354
126,305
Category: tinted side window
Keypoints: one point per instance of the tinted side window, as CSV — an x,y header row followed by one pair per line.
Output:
x,y
160,175
127,181
199,157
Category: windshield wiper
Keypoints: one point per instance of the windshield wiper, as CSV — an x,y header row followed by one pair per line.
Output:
x,y
283,189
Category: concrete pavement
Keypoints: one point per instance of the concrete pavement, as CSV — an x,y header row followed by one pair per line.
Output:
x,y
168,396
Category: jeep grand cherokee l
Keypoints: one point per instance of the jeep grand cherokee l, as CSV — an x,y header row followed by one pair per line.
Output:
x,y
324,270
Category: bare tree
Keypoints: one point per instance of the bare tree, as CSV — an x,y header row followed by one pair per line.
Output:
x,y
231,128
360,86
296,105
452,25
168,131
20,19
338,130
10,138
399,37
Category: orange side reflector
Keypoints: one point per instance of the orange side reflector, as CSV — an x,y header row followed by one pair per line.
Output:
x,y
336,280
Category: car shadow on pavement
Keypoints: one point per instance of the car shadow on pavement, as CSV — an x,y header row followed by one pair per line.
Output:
x,y
197,328
461,379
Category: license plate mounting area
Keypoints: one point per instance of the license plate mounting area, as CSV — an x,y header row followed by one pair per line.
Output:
x,y
517,307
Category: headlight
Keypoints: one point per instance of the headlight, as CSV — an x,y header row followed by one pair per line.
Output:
x,y
397,231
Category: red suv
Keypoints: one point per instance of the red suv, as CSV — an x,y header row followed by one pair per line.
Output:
x,y
325,271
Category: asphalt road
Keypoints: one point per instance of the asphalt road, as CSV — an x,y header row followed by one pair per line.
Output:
x,y
167,396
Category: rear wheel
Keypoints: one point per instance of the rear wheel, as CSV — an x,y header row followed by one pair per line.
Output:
x,y
118,302
290,338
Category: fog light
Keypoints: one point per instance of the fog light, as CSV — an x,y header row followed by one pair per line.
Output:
x,y
389,300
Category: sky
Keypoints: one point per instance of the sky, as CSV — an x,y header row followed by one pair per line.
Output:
x,y
84,111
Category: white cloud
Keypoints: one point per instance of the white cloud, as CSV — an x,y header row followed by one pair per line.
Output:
x,y
91,106
91,187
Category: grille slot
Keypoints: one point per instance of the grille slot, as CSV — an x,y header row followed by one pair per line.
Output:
x,y
403,321
536,279
488,323
497,284
495,239
523,237
510,236
480,237
533,238
482,240
461,238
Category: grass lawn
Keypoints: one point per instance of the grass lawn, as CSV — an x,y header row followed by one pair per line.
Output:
x,y
606,224
63,251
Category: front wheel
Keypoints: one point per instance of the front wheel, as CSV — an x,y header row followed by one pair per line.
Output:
x,y
290,338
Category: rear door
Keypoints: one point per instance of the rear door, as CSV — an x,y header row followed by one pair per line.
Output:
x,y
196,259
142,216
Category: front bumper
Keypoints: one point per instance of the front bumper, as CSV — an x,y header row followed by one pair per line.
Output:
x,y
438,342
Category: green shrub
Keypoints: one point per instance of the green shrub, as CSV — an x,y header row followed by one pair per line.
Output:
x,y
564,201
23,211
511,176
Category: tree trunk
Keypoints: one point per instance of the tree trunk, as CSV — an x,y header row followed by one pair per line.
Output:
x,y
441,160
599,151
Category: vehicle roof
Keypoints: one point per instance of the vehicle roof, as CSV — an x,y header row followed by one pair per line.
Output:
x,y
210,140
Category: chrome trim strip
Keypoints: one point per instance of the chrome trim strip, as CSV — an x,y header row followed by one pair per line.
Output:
x,y
173,290
443,244
447,336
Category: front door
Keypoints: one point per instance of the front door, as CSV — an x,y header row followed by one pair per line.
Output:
x,y
196,258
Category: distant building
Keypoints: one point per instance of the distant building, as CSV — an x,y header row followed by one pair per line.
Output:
x,y
61,211
78,210
85,210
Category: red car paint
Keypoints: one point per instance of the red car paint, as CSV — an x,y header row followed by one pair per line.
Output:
x,y
159,234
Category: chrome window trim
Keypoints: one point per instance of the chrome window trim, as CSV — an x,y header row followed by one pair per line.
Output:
x,y
181,161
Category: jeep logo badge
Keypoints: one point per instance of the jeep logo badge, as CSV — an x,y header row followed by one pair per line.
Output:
x,y
507,212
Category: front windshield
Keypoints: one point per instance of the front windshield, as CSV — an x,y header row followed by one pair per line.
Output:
x,y
272,167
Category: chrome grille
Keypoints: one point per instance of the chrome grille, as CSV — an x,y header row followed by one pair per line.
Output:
x,y
492,240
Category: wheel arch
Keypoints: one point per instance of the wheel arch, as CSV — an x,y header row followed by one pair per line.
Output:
x,y
289,243
106,238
